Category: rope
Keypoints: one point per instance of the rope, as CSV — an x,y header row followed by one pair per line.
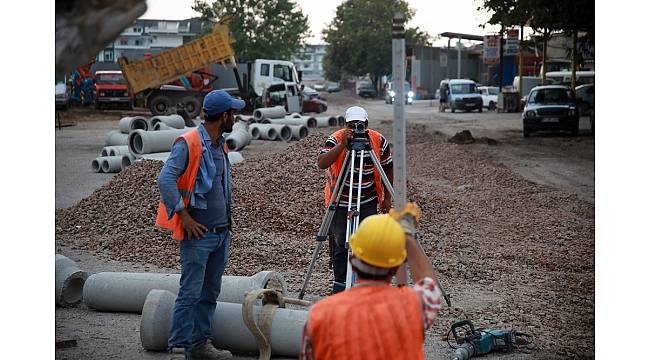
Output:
x,y
261,330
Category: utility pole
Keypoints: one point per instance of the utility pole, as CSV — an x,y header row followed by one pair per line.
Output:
x,y
448,55
574,52
399,126
459,45
501,59
521,64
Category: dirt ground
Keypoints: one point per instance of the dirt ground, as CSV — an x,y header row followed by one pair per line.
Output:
x,y
555,160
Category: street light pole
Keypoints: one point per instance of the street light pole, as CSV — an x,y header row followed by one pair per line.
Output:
x,y
459,57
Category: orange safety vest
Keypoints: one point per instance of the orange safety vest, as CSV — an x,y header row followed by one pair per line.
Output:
x,y
368,322
185,184
334,170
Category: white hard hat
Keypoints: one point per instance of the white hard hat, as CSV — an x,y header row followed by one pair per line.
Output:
x,y
356,113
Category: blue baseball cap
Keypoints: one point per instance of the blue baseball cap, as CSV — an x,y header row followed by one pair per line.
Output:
x,y
218,101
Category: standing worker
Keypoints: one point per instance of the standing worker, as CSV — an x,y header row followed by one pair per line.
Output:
x,y
331,157
196,190
374,320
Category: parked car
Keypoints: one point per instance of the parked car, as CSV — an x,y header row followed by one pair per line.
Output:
x,y
408,94
459,94
320,87
310,93
112,90
489,95
585,98
333,87
61,96
550,107
314,104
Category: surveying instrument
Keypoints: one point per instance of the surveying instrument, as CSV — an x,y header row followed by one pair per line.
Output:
x,y
359,144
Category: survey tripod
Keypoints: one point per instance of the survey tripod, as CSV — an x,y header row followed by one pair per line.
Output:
x,y
359,144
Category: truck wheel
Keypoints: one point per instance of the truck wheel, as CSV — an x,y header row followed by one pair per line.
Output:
x,y
192,106
575,131
160,104
453,109
492,105
526,131
480,109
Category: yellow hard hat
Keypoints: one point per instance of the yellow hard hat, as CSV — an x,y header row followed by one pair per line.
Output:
x,y
379,241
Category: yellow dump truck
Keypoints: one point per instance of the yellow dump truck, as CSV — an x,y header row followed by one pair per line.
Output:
x,y
181,77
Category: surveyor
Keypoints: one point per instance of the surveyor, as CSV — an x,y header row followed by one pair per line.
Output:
x,y
195,187
331,157
374,320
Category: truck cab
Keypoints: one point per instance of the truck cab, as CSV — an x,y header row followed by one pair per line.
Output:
x,y
112,90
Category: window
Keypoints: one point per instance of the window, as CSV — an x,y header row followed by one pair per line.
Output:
x,y
265,69
124,42
282,72
463,88
551,96
108,55
137,43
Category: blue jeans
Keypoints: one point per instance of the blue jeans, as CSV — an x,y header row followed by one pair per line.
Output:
x,y
203,262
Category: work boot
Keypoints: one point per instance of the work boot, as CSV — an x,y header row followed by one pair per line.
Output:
x,y
208,352
177,354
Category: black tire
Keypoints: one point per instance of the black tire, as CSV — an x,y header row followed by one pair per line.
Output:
x,y
160,104
526,131
492,105
192,106
480,109
453,109
575,131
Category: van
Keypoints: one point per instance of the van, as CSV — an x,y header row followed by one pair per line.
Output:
x,y
459,94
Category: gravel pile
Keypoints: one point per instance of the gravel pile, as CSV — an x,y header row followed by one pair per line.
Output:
x,y
510,253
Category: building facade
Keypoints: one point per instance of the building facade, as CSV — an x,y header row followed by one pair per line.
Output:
x,y
310,62
150,36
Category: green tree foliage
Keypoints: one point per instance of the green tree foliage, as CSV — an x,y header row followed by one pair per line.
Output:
x,y
360,38
262,29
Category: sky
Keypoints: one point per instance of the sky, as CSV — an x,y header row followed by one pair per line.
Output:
x,y
433,16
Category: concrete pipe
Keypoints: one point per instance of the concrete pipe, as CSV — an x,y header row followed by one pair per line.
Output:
x,y
161,156
105,151
239,137
269,113
161,126
69,281
228,328
245,118
298,132
115,137
146,142
235,157
130,123
295,116
264,132
284,132
305,121
325,121
173,121
126,292
96,165
118,150
127,160
341,120
111,164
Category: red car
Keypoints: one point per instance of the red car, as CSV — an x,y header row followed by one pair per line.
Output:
x,y
312,102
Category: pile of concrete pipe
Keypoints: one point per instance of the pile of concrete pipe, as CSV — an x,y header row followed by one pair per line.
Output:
x,y
69,281
140,139
240,137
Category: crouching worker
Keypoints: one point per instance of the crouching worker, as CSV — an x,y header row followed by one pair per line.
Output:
x,y
374,320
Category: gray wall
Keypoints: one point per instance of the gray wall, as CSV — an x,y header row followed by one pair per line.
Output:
x,y
429,72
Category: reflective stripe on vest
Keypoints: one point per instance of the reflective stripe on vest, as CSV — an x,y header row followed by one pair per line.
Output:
x,y
334,170
185,184
370,322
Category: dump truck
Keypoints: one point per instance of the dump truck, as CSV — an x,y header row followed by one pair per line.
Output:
x,y
182,76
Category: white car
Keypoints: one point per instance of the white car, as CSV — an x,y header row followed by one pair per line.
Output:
x,y
489,95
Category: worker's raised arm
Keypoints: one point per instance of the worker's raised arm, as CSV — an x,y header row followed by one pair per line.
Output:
x,y
329,154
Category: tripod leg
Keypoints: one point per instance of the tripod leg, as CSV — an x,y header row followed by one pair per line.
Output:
x,y
311,268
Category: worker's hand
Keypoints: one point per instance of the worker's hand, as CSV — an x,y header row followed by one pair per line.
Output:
x,y
194,229
386,204
408,217
347,136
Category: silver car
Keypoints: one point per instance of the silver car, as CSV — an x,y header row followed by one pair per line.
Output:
x,y
61,96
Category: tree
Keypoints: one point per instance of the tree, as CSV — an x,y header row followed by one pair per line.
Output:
x,y
262,29
360,39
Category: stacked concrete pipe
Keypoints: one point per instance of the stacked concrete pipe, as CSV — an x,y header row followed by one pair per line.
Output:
x,y
263,132
294,116
269,113
284,131
115,137
126,292
160,156
304,121
116,150
173,121
146,142
239,137
228,328
298,132
111,164
96,165
127,160
327,121
128,124
245,118
341,120
69,281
